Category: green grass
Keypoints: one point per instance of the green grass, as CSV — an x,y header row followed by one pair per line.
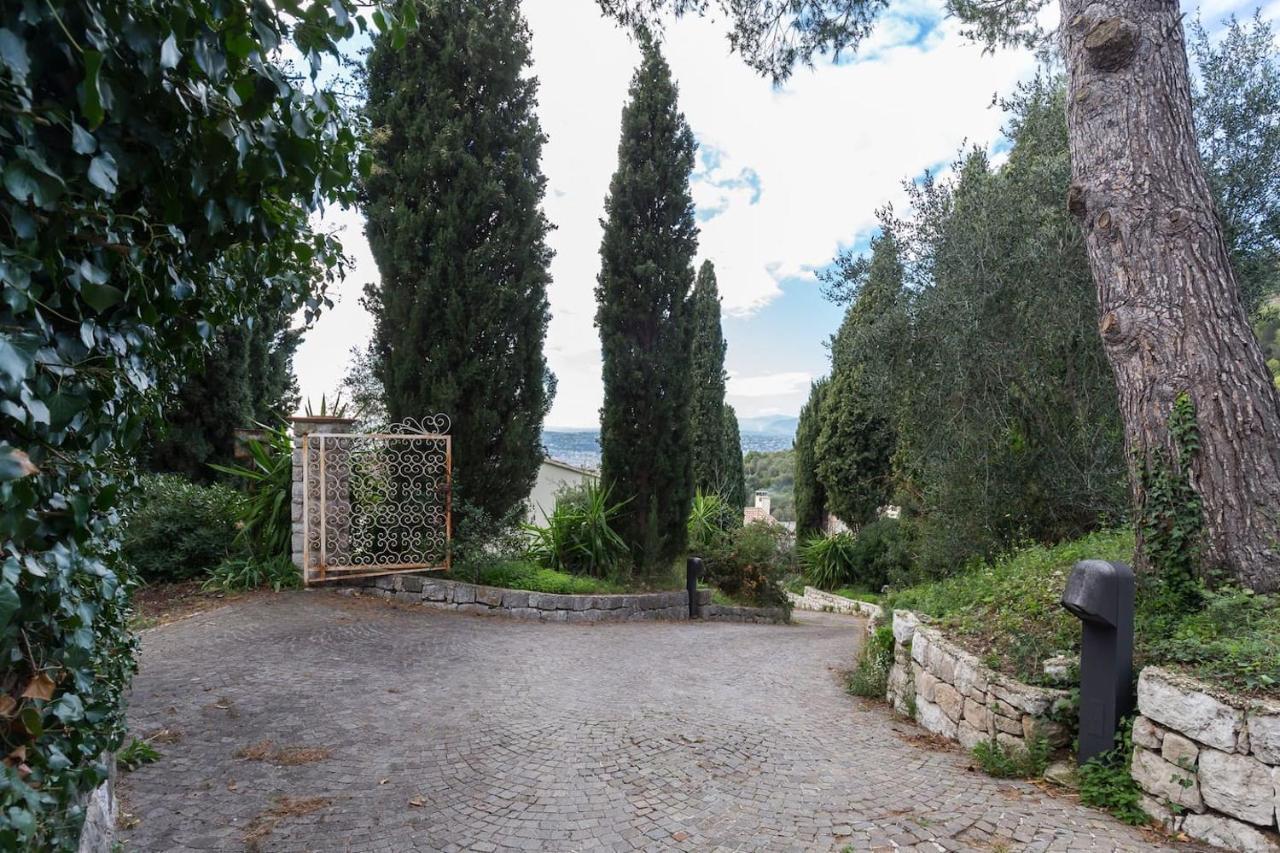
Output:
x,y
861,593
1007,612
516,574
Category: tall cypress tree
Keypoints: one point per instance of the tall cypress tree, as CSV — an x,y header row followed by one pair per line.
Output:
x,y
811,497
645,319
734,490
706,407
245,378
456,227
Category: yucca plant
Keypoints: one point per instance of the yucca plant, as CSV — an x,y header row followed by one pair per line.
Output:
x,y
829,561
709,517
578,536
266,522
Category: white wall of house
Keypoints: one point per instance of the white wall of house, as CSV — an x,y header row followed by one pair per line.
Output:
x,y
553,477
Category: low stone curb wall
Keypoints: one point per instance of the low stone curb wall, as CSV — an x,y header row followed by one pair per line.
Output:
x,y
825,602
1208,762
101,809
950,693
549,607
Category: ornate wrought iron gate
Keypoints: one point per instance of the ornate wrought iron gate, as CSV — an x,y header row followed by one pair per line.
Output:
x,y
377,503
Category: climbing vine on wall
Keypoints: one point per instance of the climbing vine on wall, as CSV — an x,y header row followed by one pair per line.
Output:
x,y
1171,521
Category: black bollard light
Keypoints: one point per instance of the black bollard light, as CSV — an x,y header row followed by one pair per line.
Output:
x,y
1100,594
693,571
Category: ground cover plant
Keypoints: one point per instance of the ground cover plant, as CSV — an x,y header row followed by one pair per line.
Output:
x,y
1007,612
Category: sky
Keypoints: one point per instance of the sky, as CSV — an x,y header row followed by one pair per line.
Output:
x,y
787,177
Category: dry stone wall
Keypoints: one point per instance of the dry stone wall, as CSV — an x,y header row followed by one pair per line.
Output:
x,y
824,602
1208,762
949,692
548,607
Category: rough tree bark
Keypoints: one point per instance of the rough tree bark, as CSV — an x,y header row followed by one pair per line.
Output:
x,y
1168,306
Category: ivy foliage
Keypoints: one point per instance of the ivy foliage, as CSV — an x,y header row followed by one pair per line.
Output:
x,y
160,162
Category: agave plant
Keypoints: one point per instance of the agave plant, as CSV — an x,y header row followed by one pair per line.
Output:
x,y
266,523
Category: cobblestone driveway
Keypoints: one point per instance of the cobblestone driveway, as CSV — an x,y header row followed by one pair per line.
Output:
x,y
398,728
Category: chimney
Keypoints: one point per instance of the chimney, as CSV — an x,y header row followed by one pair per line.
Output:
x,y
762,501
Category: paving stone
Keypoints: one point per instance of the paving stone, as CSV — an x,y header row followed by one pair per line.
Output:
x,y
450,733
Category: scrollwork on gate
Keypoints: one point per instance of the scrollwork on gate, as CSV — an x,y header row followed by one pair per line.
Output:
x,y
377,503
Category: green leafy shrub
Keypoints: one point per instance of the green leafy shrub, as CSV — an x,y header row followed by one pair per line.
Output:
x,y
178,530
1105,781
1013,763
266,517
579,536
870,678
241,574
751,564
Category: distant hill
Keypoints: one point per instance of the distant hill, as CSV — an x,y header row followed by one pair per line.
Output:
x,y
770,425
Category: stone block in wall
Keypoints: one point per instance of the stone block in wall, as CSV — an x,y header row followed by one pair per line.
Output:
x,y
920,646
1175,702
971,676
1165,781
970,736
413,584
464,593
1147,733
1179,750
933,719
942,660
1237,785
1228,833
1160,812
1035,701
515,599
1008,725
1012,744
489,596
1263,724
978,715
904,626
926,684
949,700
1055,734
433,590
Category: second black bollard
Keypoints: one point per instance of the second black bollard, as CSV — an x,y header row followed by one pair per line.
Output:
x,y
693,571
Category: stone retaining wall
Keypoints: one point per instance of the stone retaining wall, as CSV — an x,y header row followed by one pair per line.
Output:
x,y
549,607
950,693
1208,762
825,602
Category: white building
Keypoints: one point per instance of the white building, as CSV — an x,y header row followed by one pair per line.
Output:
x,y
554,477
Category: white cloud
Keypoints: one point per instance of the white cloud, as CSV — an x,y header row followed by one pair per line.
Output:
x,y
827,149
769,384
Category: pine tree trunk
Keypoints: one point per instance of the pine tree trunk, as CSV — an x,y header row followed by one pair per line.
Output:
x,y
1169,309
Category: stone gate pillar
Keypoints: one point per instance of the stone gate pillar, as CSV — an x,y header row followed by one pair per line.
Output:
x,y
336,475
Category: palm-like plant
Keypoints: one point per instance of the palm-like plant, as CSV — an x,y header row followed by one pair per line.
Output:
x,y
710,516
829,561
266,524
579,535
